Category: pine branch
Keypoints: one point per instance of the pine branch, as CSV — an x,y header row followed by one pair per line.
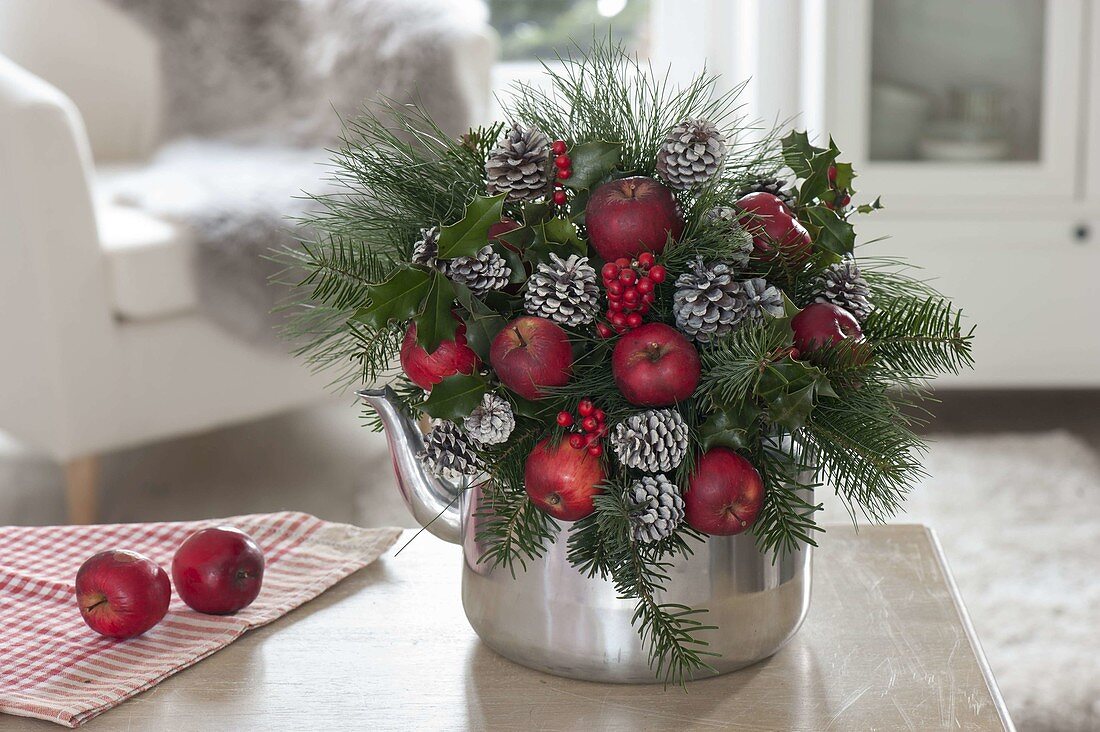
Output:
x,y
606,94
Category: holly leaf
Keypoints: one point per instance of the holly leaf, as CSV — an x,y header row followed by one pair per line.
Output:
x,y
482,322
733,427
455,397
817,183
790,389
558,236
844,176
798,152
465,237
834,233
592,162
866,208
435,323
399,298
543,410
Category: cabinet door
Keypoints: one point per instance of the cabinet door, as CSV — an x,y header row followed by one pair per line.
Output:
x,y
947,103
1029,287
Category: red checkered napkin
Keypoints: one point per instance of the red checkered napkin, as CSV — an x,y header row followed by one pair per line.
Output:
x,y
52,666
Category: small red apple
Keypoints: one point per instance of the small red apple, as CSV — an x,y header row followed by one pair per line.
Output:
x,y
654,365
530,354
218,571
823,324
774,228
724,495
562,479
629,216
122,594
428,369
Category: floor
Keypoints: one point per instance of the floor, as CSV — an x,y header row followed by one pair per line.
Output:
x,y
323,462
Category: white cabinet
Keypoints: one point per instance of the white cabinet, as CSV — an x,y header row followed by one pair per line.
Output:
x,y
978,121
951,103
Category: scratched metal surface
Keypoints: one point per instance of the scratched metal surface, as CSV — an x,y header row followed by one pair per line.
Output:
x,y
884,647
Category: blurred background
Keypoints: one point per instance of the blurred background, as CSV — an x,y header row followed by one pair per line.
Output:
x,y
152,150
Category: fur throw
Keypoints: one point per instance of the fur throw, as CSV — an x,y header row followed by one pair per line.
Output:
x,y
255,89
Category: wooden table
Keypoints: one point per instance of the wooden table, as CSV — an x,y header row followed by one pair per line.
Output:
x,y
887,645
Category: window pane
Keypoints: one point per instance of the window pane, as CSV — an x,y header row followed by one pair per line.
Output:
x,y
956,80
536,28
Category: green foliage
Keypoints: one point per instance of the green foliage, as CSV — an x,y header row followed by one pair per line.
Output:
x,y
601,545
511,528
604,94
920,337
592,162
455,397
470,233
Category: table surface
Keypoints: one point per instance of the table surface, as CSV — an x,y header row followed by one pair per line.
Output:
x,y
887,645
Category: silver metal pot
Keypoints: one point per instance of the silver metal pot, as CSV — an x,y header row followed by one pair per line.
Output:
x,y
552,618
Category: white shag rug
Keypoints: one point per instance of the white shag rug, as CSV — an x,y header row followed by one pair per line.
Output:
x,y
1019,519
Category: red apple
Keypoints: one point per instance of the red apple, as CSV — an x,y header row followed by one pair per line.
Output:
x,y
822,324
561,479
428,369
724,495
629,216
654,366
122,594
530,354
218,571
774,228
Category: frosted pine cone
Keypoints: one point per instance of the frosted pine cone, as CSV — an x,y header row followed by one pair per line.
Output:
x,y
484,272
843,285
659,508
709,303
778,187
740,239
653,441
426,247
519,164
449,452
491,422
564,291
761,299
691,154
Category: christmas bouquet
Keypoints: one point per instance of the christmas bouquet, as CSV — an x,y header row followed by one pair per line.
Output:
x,y
633,319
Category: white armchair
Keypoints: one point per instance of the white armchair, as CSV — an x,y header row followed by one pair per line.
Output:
x,y
103,345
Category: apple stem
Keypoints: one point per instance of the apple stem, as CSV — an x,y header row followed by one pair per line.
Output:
x,y
96,604
522,340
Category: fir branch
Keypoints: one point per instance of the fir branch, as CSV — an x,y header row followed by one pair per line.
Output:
x,y
920,337
786,519
512,529
732,365
602,544
863,445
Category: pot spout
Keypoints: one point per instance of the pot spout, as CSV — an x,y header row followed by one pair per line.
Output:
x,y
432,501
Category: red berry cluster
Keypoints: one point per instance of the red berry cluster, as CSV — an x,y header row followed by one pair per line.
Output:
x,y
564,165
588,427
630,286
841,197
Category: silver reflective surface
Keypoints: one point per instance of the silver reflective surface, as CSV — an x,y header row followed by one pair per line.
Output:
x,y
552,618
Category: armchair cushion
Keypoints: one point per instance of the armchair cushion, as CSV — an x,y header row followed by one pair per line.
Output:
x,y
149,272
196,224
